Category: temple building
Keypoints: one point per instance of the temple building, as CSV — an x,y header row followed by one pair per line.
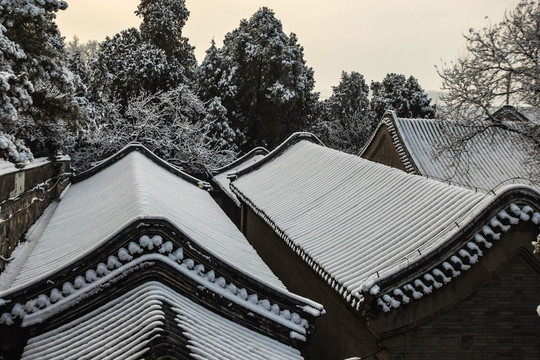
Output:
x,y
137,260
406,266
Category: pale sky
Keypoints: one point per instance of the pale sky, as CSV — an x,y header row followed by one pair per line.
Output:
x,y
372,37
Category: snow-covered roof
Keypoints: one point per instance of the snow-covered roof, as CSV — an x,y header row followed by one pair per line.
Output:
x,y
135,146
128,327
357,222
136,188
222,176
492,158
134,219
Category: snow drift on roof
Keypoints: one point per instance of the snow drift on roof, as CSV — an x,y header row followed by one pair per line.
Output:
x,y
124,328
352,217
135,188
489,160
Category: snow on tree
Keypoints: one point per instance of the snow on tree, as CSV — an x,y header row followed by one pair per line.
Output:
x,y
79,56
213,77
170,123
216,126
36,87
501,66
162,23
15,88
349,97
126,66
14,150
346,121
154,58
404,95
263,79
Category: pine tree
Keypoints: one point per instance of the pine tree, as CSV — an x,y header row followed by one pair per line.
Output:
x,y
36,87
345,119
126,66
213,78
263,80
350,97
162,23
403,95
216,126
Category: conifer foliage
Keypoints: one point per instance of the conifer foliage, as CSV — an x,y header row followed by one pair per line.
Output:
x,y
404,95
346,120
262,78
155,57
36,87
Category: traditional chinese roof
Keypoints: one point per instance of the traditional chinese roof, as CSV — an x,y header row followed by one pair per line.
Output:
x,y
222,176
367,228
153,315
492,158
133,221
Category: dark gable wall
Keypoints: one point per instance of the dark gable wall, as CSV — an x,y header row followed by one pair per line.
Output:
x,y
342,332
382,150
487,313
498,322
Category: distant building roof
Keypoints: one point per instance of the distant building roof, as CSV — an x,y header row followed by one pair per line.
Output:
x,y
492,158
360,224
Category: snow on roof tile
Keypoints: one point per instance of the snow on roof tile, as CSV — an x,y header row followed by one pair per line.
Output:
x,y
222,175
351,219
124,328
491,159
136,188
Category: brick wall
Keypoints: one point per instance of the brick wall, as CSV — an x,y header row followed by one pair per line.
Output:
x,y
24,195
499,321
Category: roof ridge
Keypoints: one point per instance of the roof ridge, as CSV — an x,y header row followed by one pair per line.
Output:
x,y
291,140
135,146
255,151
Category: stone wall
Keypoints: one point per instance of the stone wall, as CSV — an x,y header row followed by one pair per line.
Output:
x,y
24,194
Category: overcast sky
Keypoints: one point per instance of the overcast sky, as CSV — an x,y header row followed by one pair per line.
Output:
x,y
372,37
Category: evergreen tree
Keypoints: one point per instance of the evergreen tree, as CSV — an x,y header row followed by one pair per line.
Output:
x,y
126,66
162,23
345,119
350,97
154,58
216,126
213,78
403,95
33,70
263,79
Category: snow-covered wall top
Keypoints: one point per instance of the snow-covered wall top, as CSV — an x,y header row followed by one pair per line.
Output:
x,y
130,189
222,175
354,221
124,329
492,158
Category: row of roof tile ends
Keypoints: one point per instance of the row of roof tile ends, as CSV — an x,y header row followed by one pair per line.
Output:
x,y
136,248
